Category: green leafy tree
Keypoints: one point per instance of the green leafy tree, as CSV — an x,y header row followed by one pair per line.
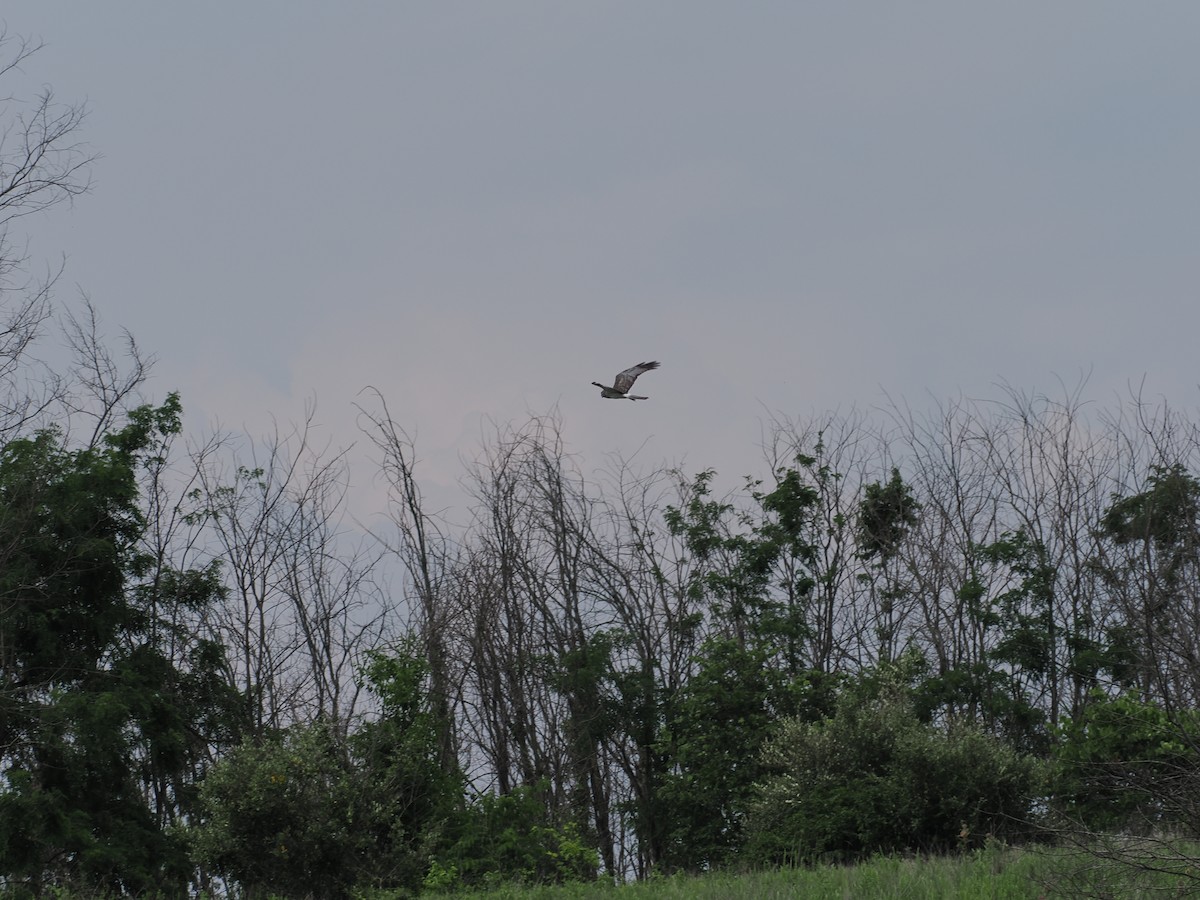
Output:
x,y
106,707
1125,764
1152,567
766,657
406,793
1164,516
1003,690
886,514
713,741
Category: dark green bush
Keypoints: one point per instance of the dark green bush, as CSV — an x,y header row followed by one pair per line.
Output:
x,y
874,779
279,817
310,813
510,838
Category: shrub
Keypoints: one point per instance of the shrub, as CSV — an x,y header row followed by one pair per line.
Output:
x,y
311,813
874,779
510,838
278,817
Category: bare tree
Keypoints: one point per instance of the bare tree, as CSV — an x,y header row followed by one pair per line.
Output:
x,y
42,163
643,573
302,605
421,544
102,385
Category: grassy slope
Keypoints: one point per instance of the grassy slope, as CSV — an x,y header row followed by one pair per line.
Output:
x,y
995,874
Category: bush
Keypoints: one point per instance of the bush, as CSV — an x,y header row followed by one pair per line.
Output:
x,y
278,817
874,779
509,838
310,813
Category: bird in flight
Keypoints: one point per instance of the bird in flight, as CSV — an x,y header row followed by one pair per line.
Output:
x,y
623,382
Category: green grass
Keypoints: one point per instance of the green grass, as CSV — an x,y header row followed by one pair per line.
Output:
x,y
998,873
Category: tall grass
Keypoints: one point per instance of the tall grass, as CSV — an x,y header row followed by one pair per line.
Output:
x,y
997,873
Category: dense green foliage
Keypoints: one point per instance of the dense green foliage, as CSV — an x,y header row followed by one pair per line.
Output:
x,y
107,706
1126,765
283,817
510,838
306,811
873,779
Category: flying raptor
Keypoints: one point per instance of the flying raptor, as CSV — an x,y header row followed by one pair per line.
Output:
x,y
623,382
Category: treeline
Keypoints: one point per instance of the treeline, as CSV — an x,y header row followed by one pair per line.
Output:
x,y
922,632
918,632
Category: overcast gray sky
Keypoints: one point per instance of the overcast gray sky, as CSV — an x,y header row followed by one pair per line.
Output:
x,y
480,208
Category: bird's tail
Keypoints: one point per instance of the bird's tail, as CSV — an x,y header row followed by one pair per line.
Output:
x,y
635,397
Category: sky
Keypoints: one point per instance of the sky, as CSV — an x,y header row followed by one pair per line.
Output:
x,y
479,208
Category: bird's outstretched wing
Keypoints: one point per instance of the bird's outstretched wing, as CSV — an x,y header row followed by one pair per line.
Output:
x,y
625,380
